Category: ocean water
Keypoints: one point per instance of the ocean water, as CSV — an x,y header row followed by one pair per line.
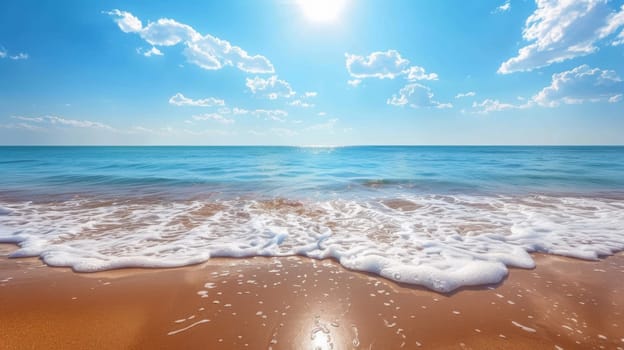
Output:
x,y
439,217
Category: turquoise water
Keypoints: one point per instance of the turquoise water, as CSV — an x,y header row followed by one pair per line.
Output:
x,y
295,172
439,217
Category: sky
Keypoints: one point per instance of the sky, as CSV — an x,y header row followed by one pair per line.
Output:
x,y
312,72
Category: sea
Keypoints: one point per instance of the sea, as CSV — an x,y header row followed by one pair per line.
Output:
x,y
441,217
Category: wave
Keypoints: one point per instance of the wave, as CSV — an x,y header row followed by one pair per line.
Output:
x,y
441,242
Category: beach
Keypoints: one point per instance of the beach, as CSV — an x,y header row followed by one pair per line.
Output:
x,y
312,248
312,174
302,303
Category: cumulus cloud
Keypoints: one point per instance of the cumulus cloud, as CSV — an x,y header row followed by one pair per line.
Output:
x,y
466,94
560,30
383,65
418,73
205,51
415,96
578,85
581,84
271,87
168,32
389,65
214,117
181,100
127,22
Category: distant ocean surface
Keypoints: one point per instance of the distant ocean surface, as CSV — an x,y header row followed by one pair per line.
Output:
x,y
440,217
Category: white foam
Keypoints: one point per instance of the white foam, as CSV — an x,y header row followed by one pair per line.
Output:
x,y
524,328
440,242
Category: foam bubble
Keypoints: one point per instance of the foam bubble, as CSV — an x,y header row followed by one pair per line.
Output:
x,y
440,242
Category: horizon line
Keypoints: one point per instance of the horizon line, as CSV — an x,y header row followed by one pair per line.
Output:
x,y
314,145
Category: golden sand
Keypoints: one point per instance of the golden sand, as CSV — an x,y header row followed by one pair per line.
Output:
x,y
299,303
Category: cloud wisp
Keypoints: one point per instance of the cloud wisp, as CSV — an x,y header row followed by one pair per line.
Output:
x,y
416,96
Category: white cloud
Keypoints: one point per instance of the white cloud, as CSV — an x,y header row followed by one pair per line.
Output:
x,y
268,114
215,117
383,65
205,51
466,94
620,39
299,103
78,123
181,100
321,114
560,30
126,21
5,54
25,126
29,119
615,98
415,96
354,82
504,7
272,87
418,73
168,32
211,53
19,56
154,51
55,120
491,105
615,20
309,94
579,85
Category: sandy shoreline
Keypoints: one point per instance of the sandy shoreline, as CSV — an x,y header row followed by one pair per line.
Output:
x,y
298,303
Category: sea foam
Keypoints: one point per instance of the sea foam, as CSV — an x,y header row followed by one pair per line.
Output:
x,y
441,242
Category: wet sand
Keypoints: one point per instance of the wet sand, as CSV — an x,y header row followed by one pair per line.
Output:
x,y
298,303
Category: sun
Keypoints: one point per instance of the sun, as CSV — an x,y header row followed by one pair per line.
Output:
x,y
322,10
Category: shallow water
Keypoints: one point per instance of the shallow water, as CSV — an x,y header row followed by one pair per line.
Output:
x,y
440,217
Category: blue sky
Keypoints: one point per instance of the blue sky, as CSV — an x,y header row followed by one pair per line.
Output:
x,y
310,72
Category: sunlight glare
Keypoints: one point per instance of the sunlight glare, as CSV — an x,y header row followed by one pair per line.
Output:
x,y
322,10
